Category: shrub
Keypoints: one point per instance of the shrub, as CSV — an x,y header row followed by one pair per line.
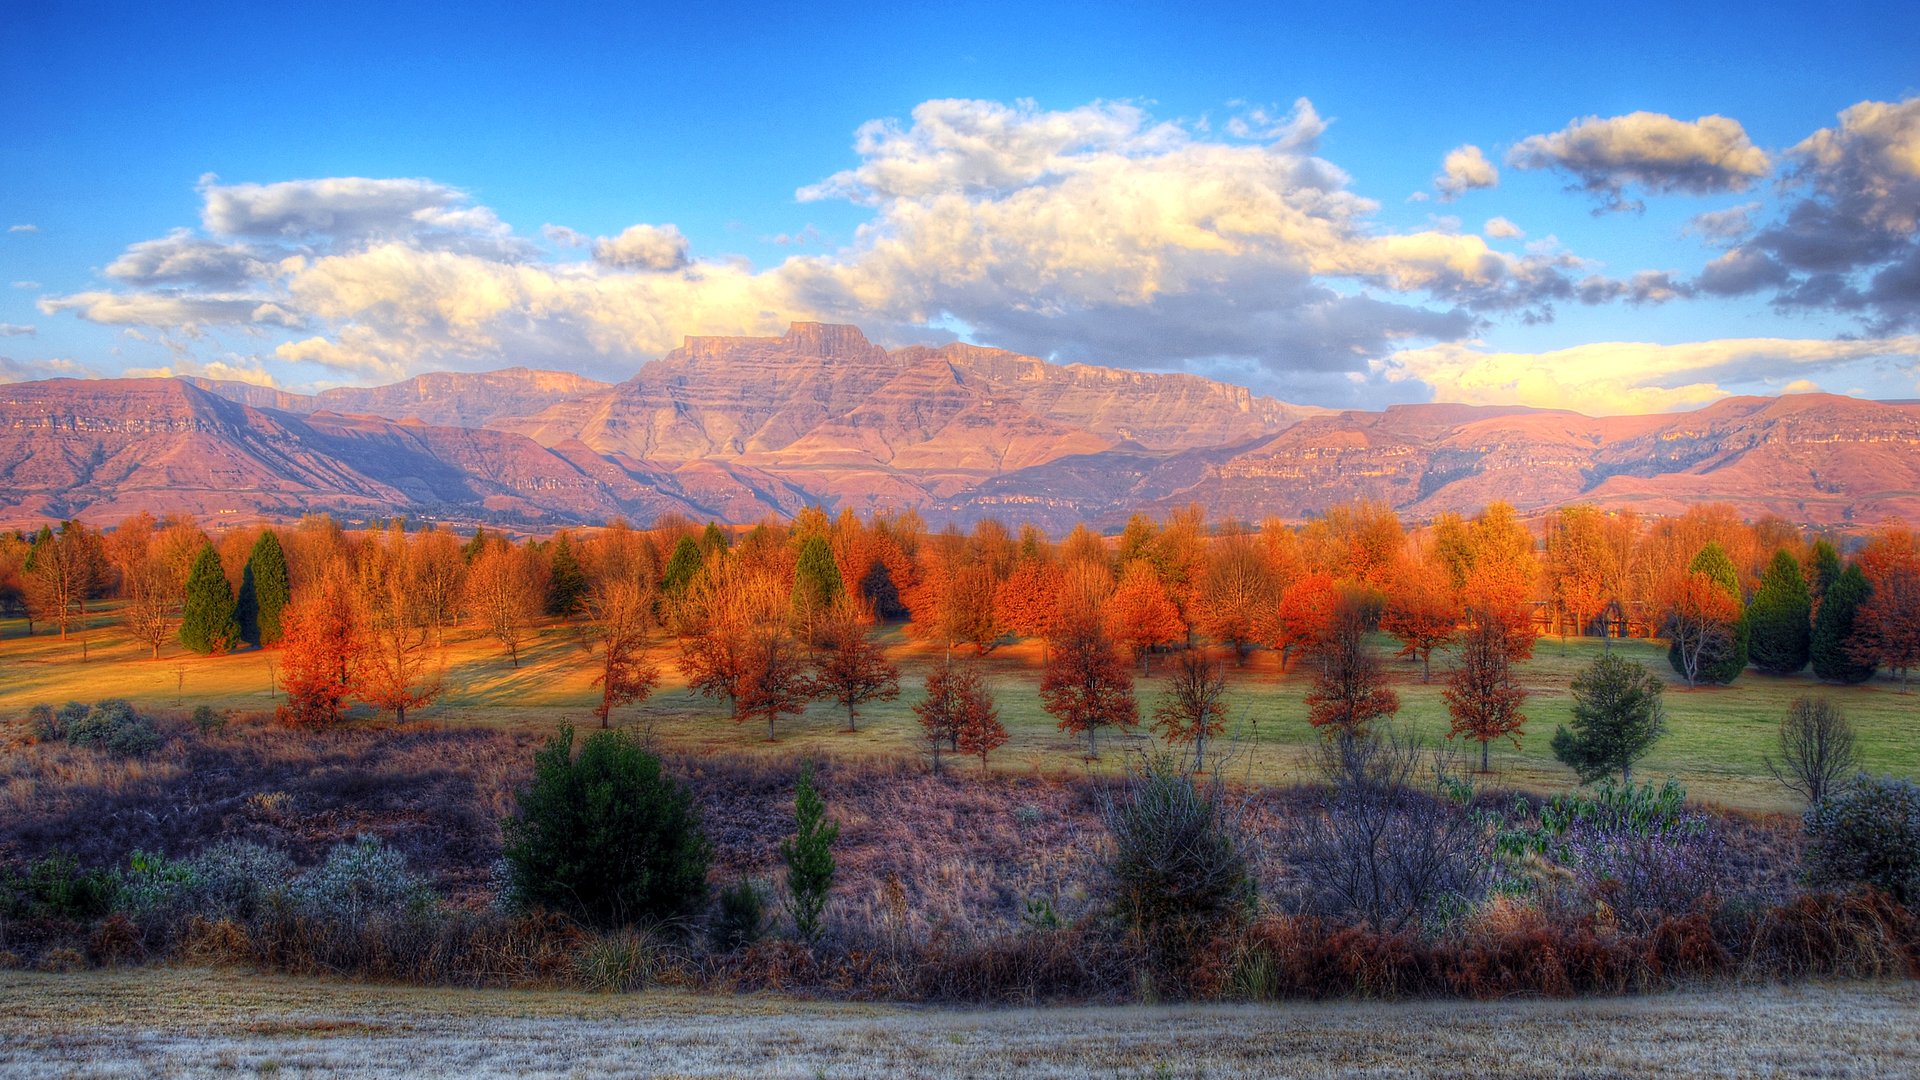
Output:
x,y
235,879
1179,870
55,887
44,725
1867,834
607,838
111,725
809,857
741,918
208,721
359,880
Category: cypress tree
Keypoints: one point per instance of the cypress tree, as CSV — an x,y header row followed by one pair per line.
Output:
x,y
472,548
714,538
566,582
1781,617
207,624
682,566
816,577
1823,570
1726,664
264,592
1834,626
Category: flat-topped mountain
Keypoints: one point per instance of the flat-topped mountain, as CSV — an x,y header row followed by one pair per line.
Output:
x,y
739,428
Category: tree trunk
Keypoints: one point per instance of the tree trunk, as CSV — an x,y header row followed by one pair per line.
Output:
x,y
850,726
1484,762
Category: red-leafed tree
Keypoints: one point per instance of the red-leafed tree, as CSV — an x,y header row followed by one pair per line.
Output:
x,y
1483,698
1422,613
1236,590
958,713
1349,684
1141,616
1303,617
620,614
1886,629
322,651
1195,708
1087,686
1028,602
1701,621
850,667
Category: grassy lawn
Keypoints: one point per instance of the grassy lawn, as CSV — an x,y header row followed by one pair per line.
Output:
x,y
174,1022
1716,740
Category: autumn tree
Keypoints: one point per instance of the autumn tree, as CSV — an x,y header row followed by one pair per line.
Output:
x,y
322,651
397,667
1421,613
62,571
506,591
1887,627
775,677
207,623
1483,698
956,711
1832,652
1236,591
1617,717
1194,709
1349,684
440,580
621,614
1580,565
1706,622
1140,616
1781,617
1028,602
851,669
1303,617
149,583
1087,686
264,592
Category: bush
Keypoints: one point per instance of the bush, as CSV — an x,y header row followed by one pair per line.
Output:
x,y
235,879
207,721
112,725
55,887
360,880
1179,870
1867,834
607,838
741,918
44,725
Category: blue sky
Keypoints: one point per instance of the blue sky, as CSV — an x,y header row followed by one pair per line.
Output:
x,y
1248,193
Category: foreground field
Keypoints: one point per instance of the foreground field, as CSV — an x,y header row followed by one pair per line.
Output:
x,y
202,1023
1717,736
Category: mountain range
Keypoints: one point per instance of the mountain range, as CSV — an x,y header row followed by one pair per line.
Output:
x,y
736,429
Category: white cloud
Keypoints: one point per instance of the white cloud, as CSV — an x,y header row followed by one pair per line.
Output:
x,y
1464,169
1613,377
643,247
564,237
180,258
1501,229
1652,151
1715,226
15,330
26,284
23,228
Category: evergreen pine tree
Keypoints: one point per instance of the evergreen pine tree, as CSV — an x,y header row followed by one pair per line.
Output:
x,y
1833,626
264,592
472,548
566,582
1730,660
816,579
714,538
1781,617
809,857
1823,570
682,566
1617,717
207,624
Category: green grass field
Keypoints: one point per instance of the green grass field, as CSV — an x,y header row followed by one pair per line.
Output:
x,y
1717,736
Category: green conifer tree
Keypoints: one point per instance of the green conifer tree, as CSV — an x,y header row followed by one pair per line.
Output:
x,y
816,579
207,624
682,566
1727,662
1833,628
809,857
1781,617
264,592
566,582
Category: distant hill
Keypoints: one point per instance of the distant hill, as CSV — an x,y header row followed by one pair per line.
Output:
x,y
739,428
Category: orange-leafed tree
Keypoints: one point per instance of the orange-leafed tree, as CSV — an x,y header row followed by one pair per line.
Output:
x,y
850,667
1701,618
1483,698
1579,565
1422,613
1349,683
1237,589
1194,709
1087,686
1886,629
620,619
1141,616
1496,592
506,591
1303,616
397,668
957,712
321,659
1028,602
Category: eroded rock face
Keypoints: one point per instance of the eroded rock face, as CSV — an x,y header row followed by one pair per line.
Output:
x,y
737,429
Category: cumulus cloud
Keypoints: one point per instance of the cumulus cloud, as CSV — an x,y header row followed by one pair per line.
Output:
x,y
1462,170
1096,233
1721,226
230,369
643,247
1651,151
13,370
1613,377
1501,229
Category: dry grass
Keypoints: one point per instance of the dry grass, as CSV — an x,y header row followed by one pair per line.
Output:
x,y
191,1023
